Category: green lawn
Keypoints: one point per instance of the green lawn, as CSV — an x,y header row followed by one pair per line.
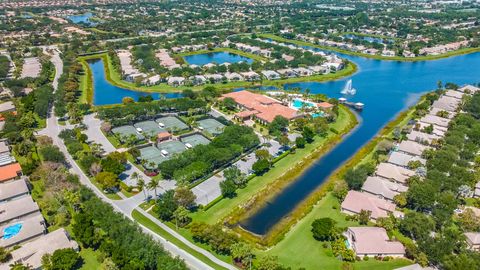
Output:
x,y
225,207
300,249
158,230
89,257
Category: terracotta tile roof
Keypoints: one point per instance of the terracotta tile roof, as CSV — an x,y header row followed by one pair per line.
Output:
x,y
267,108
163,135
325,105
356,201
9,171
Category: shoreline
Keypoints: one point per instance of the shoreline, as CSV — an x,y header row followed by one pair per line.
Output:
x,y
459,52
281,228
262,197
114,78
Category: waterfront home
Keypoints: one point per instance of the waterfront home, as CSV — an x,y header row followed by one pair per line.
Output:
x,y
301,71
422,137
446,103
336,66
473,240
265,53
175,81
198,79
454,94
388,53
382,188
31,253
31,228
125,58
214,78
209,65
319,69
153,80
264,108
13,190
436,111
15,209
270,74
166,60
437,130
10,172
402,159
373,241
356,201
435,120
468,89
287,73
408,54
394,173
133,77
250,76
233,76
412,148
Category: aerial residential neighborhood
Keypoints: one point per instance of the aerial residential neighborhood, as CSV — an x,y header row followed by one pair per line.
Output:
x,y
240,134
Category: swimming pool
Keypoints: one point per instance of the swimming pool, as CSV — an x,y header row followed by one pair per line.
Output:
x,y
11,231
298,104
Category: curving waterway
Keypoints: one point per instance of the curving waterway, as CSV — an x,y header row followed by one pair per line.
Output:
x,y
386,88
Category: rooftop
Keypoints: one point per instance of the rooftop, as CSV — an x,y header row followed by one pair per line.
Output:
x,y
10,171
374,240
356,201
13,189
382,187
394,172
17,208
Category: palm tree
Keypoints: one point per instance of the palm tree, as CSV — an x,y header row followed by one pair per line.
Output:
x,y
141,185
154,184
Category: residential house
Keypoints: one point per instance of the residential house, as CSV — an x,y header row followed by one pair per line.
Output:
x,y
176,81
198,79
372,242
468,89
382,187
18,208
250,76
435,120
412,148
287,73
356,201
319,69
446,103
422,137
10,172
31,228
214,78
473,240
270,74
303,72
233,76
394,173
13,190
31,253
402,159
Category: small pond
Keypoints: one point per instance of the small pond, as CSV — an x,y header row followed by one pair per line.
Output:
x,y
216,57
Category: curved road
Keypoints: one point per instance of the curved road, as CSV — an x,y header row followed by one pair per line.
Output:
x,y
125,206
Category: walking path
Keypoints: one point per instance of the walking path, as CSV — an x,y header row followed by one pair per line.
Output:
x,y
125,206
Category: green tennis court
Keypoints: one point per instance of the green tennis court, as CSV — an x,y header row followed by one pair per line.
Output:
x,y
149,128
195,139
124,132
172,123
171,147
152,156
211,126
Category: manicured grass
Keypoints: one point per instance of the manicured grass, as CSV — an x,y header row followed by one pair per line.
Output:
x,y
89,257
86,85
379,57
230,50
300,249
114,78
158,230
224,207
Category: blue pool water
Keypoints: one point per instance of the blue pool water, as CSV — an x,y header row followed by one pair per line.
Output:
x,y
11,231
298,104
216,57
82,18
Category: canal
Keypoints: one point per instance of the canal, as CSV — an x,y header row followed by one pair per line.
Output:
x,y
386,88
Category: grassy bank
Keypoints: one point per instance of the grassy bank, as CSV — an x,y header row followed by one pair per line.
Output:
x,y
300,249
275,179
378,57
114,78
230,50
86,84
164,234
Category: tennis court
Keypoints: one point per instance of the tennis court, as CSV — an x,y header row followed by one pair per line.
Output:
x,y
153,155
124,132
172,147
149,128
195,139
172,123
211,126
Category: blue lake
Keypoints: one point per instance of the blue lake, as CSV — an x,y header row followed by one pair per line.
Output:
x,y
386,88
369,39
82,18
215,57
106,93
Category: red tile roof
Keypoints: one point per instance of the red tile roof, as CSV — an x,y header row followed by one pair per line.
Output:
x,y
9,171
325,105
164,135
267,108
